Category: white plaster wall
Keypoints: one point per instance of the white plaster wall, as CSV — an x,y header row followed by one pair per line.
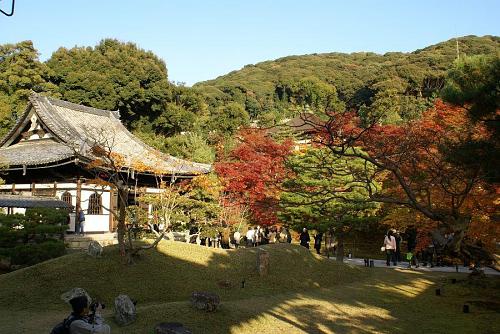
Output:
x,y
19,210
71,226
71,188
95,223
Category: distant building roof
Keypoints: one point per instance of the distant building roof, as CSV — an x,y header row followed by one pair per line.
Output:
x,y
17,201
52,131
304,123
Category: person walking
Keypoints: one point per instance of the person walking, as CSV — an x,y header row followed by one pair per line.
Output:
x,y
288,236
305,238
236,237
80,222
397,253
390,248
257,237
282,235
250,237
318,237
272,235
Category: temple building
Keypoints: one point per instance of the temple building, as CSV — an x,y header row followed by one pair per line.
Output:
x,y
47,153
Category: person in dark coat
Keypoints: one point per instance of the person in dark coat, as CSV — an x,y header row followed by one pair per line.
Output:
x,y
288,236
318,237
80,222
397,252
305,238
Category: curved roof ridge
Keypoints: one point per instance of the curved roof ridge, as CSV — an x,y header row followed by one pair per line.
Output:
x,y
62,129
79,107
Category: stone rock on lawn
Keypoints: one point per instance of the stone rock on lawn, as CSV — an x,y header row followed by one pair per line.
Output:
x,y
171,328
95,249
125,312
207,301
4,263
75,292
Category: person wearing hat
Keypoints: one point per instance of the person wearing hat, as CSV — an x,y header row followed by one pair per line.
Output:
x,y
83,324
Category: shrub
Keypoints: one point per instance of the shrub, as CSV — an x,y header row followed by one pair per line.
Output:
x,y
46,216
29,254
33,237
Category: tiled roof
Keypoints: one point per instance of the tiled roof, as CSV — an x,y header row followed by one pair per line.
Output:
x,y
75,128
30,153
16,201
302,123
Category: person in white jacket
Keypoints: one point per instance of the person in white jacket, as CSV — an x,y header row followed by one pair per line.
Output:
x,y
390,248
83,323
250,237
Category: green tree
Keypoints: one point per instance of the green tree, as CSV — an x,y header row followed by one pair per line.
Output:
x,y
326,194
474,83
114,76
229,118
20,73
190,146
174,119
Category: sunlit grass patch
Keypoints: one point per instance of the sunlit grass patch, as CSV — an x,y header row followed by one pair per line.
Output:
x,y
303,293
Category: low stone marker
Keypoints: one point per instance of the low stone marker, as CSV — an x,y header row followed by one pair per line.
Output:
x,y
226,284
171,328
203,300
95,249
5,263
263,262
125,312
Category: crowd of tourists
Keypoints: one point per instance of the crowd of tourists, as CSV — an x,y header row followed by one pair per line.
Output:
x,y
398,246
254,236
431,253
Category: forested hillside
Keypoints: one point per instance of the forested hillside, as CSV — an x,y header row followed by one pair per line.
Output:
x,y
403,83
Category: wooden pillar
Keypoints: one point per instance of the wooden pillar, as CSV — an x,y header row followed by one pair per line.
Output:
x,y
54,193
78,193
111,209
13,188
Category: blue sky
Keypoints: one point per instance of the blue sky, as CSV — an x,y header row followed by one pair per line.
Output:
x,y
200,40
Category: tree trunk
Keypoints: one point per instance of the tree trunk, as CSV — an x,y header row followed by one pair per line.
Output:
x,y
459,246
122,204
340,247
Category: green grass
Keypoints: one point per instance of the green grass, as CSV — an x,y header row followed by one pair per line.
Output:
x,y
302,294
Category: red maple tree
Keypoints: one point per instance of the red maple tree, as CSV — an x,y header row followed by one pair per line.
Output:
x,y
252,173
416,163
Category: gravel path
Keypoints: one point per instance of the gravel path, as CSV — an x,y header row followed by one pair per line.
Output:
x,y
404,265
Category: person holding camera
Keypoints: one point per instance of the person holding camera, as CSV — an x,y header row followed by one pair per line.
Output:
x,y
87,318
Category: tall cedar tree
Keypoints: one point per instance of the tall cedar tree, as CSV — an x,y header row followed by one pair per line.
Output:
x,y
253,172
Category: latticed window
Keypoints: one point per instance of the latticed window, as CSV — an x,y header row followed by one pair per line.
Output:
x,y
95,205
66,197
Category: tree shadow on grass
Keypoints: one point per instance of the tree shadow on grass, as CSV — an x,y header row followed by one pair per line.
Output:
x,y
301,294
